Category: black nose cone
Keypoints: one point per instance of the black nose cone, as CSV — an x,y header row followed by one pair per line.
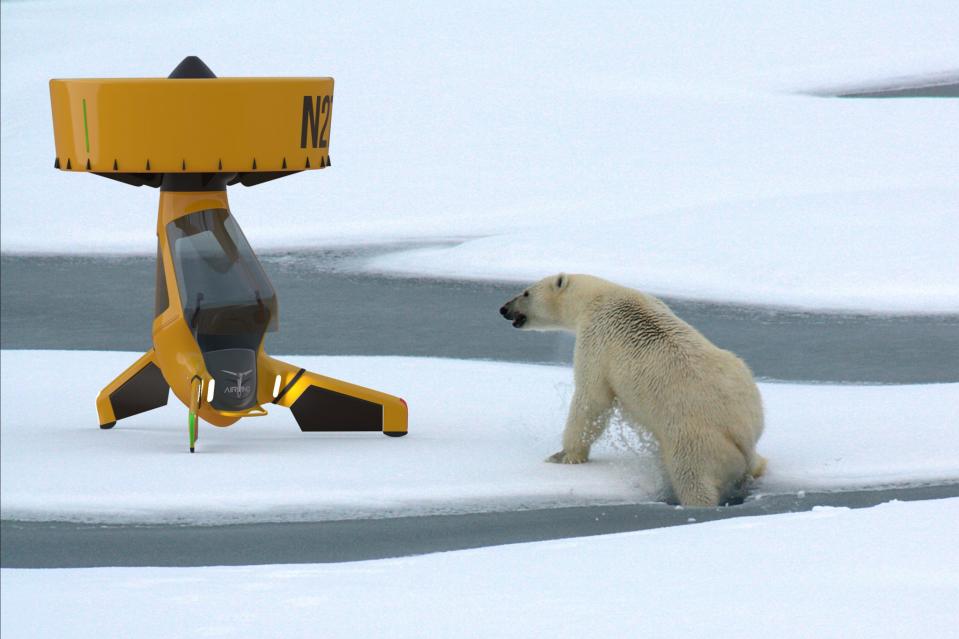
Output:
x,y
191,67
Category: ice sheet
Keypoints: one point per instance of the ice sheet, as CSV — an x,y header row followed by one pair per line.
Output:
x,y
674,146
479,432
887,571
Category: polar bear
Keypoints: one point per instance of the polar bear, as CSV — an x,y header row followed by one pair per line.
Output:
x,y
700,402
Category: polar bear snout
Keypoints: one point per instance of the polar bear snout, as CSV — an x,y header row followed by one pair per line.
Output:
x,y
510,313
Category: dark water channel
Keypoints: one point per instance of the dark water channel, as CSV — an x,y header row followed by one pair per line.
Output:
x,y
73,545
329,306
940,90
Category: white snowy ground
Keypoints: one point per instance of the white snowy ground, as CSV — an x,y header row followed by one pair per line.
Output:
x,y
888,571
479,432
673,146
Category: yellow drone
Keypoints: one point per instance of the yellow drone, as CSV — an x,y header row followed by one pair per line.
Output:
x,y
193,134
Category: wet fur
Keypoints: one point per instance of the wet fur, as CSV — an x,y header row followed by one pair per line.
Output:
x,y
699,401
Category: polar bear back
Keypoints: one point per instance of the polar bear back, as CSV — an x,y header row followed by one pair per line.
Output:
x,y
666,375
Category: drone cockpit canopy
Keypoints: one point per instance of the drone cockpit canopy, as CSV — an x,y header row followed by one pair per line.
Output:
x,y
217,130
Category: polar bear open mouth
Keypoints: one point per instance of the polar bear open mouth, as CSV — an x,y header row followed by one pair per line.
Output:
x,y
519,320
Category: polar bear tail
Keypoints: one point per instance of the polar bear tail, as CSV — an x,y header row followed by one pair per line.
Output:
x,y
759,466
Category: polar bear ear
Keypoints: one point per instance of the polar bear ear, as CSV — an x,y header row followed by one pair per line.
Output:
x,y
562,280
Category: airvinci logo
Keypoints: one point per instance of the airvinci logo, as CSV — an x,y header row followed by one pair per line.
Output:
x,y
238,389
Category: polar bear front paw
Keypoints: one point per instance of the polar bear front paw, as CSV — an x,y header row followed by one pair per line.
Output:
x,y
562,457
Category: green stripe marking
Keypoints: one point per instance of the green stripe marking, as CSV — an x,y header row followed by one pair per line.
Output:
x,y
86,132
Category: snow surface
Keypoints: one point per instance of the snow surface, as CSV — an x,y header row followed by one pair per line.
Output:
x,y
887,571
479,432
890,251
674,147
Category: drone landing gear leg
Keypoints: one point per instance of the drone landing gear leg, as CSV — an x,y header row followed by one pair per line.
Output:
x,y
325,404
139,388
193,421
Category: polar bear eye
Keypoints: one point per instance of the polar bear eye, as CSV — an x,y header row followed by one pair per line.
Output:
x,y
525,293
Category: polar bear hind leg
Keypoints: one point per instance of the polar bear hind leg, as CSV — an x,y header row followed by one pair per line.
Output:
x,y
706,473
759,466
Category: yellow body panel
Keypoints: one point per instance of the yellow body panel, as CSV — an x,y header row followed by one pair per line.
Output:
x,y
192,125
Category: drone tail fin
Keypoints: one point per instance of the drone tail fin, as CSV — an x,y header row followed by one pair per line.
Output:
x,y
139,388
325,404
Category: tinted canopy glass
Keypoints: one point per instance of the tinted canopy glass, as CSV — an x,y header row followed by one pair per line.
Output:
x,y
223,288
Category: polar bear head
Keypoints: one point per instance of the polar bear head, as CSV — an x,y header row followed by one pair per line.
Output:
x,y
541,306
